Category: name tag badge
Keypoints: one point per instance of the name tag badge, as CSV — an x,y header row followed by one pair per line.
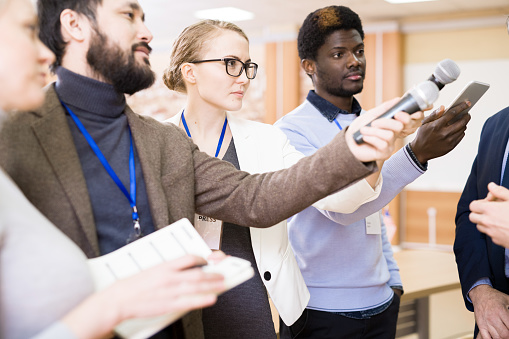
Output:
x,y
373,224
210,230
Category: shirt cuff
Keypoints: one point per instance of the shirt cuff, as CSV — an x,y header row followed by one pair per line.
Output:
x,y
423,167
397,287
482,281
348,200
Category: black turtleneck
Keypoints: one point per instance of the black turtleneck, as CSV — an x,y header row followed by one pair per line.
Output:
x,y
101,110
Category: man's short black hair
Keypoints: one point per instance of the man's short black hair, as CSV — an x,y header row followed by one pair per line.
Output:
x,y
320,24
49,22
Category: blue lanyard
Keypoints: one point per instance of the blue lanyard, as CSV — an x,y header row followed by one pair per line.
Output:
x,y
132,173
337,123
221,137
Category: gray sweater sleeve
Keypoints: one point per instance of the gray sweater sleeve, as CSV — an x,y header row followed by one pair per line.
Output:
x,y
397,172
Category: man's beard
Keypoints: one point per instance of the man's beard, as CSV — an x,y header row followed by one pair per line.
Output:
x,y
339,91
333,86
117,66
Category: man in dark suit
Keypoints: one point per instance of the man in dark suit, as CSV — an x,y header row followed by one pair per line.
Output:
x,y
484,266
149,174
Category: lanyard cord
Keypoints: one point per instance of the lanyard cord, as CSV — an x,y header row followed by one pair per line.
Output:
x,y
221,137
337,123
132,173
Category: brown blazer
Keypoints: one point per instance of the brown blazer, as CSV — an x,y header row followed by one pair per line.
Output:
x,y
38,152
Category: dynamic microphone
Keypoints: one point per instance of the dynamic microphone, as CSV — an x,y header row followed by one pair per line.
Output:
x,y
417,99
446,72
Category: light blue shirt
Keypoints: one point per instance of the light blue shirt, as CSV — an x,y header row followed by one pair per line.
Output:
x,y
345,269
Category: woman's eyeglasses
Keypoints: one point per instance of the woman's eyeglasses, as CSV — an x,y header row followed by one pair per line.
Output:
x,y
234,67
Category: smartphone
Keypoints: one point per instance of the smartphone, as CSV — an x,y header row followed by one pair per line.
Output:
x,y
473,91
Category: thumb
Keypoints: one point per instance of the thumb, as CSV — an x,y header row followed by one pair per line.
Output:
x,y
498,192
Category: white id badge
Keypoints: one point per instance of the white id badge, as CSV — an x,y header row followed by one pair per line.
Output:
x,y
210,230
373,224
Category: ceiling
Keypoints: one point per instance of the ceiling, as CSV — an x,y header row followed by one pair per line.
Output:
x,y
167,18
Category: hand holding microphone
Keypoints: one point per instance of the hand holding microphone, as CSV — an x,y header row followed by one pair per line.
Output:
x,y
417,99
380,138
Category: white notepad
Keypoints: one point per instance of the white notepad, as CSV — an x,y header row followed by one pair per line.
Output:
x,y
168,243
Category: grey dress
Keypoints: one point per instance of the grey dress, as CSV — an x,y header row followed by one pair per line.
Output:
x,y
244,311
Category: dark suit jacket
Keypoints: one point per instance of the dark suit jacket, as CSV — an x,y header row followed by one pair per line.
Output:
x,y
476,255
37,151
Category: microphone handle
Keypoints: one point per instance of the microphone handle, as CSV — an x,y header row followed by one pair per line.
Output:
x,y
406,104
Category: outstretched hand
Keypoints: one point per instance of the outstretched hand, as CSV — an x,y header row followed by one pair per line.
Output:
x,y
379,138
491,215
440,132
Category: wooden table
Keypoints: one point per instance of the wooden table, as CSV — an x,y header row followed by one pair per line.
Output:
x,y
423,273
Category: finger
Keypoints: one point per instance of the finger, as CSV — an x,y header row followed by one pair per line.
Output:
x,y
403,117
453,138
505,320
478,206
185,262
417,116
384,134
485,334
391,125
456,110
216,256
476,218
176,303
459,108
482,228
196,275
490,197
381,148
192,284
498,192
461,123
192,302
436,114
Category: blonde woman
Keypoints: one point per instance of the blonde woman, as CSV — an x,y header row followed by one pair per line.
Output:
x,y
210,62
46,290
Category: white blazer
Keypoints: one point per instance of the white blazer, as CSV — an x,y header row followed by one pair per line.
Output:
x,y
264,148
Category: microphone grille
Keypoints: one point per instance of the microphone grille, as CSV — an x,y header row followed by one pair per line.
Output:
x,y
424,94
447,71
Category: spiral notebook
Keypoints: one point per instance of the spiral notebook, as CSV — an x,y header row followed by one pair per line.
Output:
x,y
168,243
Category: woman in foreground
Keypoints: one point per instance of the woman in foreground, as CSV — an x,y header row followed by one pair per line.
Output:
x,y
46,290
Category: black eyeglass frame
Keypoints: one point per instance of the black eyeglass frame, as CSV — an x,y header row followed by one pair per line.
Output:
x,y
226,60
